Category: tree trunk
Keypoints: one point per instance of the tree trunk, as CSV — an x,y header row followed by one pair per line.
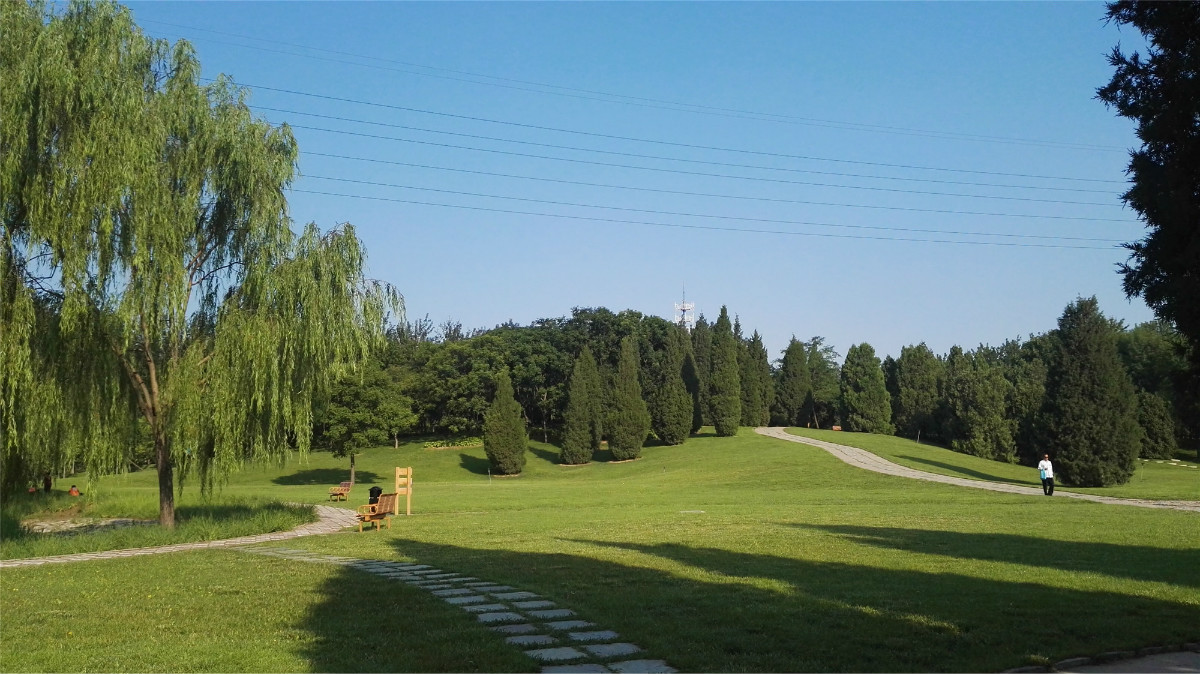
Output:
x,y
166,483
352,470
396,441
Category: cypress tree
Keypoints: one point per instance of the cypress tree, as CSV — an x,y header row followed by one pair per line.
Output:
x,y
916,399
792,386
1089,417
758,390
979,395
1154,416
751,393
583,420
630,422
702,343
671,406
691,380
504,438
725,388
865,405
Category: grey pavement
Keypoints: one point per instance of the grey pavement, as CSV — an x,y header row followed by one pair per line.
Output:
x,y
868,461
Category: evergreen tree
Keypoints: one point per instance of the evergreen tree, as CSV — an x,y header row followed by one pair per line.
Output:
x,y
978,395
758,389
1158,428
725,388
824,401
504,438
915,403
691,380
670,405
702,345
1089,419
751,394
792,388
630,421
865,405
583,421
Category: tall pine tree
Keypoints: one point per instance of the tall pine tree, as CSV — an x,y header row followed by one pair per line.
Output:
x,y
1089,417
792,387
725,387
702,344
865,404
917,373
691,380
670,404
583,422
504,438
630,422
758,390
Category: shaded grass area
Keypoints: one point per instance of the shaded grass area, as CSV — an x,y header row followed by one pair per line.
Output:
x,y
723,554
1152,479
223,611
194,521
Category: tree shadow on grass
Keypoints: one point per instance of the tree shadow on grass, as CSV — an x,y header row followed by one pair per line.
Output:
x,y
967,472
546,455
475,464
719,610
326,476
1177,567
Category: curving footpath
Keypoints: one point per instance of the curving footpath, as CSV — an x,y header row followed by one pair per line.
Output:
x,y
863,459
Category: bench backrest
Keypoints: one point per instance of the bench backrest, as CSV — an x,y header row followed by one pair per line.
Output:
x,y
344,485
386,504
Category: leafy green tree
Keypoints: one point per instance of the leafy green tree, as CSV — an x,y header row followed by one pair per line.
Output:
x,y
147,264
504,438
865,404
630,422
792,387
349,421
1160,93
584,415
702,346
725,388
915,403
1158,428
394,414
1025,369
1089,418
824,401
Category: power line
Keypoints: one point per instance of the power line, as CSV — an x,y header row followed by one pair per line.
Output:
x,y
699,161
624,99
664,142
658,212
699,227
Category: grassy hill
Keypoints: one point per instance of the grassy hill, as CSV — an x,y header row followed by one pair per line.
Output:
x,y
723,554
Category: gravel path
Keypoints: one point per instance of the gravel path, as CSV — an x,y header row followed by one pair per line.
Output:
x,y
864,459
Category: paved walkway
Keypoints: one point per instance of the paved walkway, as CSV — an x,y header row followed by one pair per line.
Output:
x,y
864,459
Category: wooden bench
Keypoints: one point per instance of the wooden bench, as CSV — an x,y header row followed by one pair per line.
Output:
x,y
376,512
340,492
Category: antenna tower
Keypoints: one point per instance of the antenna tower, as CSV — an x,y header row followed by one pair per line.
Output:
x,y
684,316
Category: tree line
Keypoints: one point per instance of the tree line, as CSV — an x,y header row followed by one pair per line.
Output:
x,y
1093,393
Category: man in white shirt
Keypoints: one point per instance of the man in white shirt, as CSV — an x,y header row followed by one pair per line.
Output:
x,y
1046,470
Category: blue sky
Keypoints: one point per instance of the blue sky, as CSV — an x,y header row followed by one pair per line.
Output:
x,y
803,163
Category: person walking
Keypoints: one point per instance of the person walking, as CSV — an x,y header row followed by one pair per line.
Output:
x,y
1046,470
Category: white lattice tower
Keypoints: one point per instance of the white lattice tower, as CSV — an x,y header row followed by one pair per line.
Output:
x,y
684,313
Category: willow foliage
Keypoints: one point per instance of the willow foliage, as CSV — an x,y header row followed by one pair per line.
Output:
x,y
149,269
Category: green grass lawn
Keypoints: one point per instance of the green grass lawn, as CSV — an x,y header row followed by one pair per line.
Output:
x,y
723,554
1159,479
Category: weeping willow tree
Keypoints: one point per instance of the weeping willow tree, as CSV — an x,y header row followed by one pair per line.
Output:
x,y
150,280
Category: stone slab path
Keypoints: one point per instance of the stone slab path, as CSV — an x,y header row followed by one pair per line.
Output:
x,y
868,461
546,632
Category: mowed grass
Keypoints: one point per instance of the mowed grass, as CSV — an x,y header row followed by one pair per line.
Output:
x,y
1153,479
723,554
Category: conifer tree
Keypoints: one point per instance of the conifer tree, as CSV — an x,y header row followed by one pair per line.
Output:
x,y
865,404
504,438
725,387
917,373
702,343
758,390
670,404
1154,416
583,420
792,387
691,380
1089,418
630,422
978,394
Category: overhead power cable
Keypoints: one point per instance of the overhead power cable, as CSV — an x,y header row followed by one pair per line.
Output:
x,y
640,210
665,142
701,227
624,99
699,161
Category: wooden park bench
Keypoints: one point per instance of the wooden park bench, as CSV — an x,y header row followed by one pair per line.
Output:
x,y
340,492
376,512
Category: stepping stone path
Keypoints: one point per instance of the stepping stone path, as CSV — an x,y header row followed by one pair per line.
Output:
x,y
550,634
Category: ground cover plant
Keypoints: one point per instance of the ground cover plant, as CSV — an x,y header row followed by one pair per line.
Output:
x,y
724,554
1154,479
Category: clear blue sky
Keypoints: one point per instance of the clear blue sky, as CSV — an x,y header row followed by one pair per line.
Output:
x,y
824,126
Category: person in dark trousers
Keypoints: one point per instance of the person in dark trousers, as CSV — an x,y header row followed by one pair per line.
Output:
x,y
1046,470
